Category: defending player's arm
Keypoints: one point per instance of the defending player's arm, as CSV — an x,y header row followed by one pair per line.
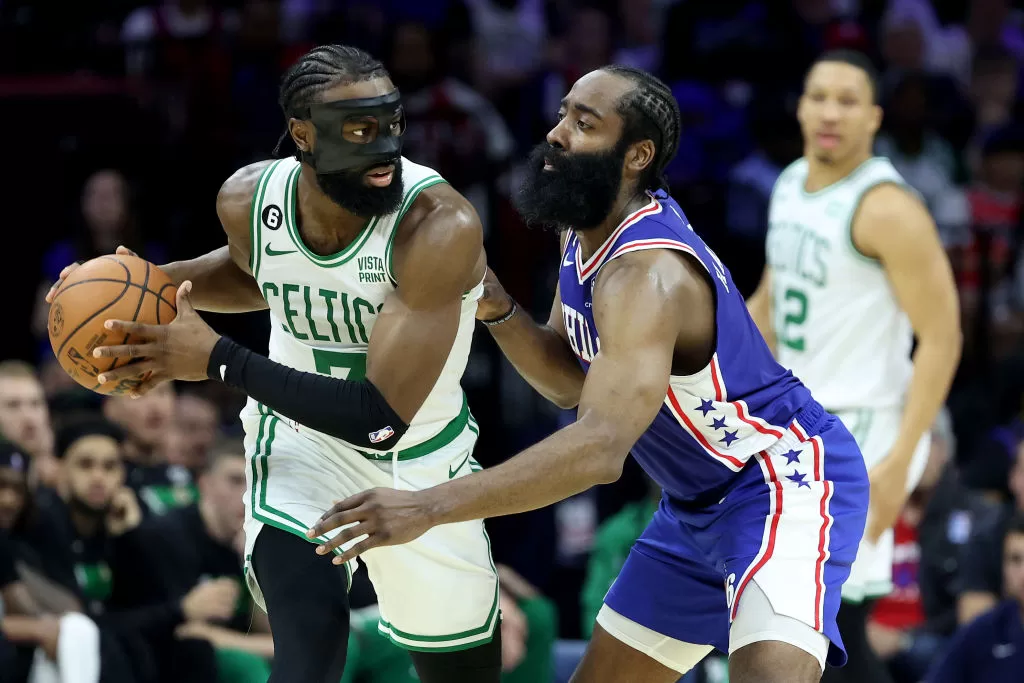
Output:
x,y
221,279
894,227
539,352
760,307
639,305
435,263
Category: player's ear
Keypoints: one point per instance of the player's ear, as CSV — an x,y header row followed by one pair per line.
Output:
x,y
876,118
302,134
640,156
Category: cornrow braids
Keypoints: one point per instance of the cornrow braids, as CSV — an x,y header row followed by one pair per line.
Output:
x,y
650,112
319,69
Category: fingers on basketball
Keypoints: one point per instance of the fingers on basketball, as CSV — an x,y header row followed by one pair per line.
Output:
x,y
117,287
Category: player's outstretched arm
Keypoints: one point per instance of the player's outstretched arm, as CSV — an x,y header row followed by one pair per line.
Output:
x,y
894,227
639,304
540,353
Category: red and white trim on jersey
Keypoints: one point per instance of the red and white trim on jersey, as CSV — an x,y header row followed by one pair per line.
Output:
x,y
733,434
733,463
794,551
825,532
593,264
771,529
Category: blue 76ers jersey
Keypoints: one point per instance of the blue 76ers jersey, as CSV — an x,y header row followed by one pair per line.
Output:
x,y
713,421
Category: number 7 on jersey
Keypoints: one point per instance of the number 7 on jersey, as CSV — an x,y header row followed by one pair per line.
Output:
x,y
352,363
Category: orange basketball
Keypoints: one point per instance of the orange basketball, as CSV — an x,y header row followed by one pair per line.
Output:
x,y
106,288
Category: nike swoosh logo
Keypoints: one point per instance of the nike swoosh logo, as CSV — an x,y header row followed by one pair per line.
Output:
x,y
568,262
274,252
453,472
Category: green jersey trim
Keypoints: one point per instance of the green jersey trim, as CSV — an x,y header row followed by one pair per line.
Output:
x,y
444,643
261,510
255,213
410,197
451,431
330,260
861,256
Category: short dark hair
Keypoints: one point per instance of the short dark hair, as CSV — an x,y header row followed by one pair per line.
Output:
x,y
1015,525
225,447
649,112
322,68
853,58
83,426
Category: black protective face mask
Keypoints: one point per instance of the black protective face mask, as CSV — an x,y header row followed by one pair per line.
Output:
x,y
352,137
379,144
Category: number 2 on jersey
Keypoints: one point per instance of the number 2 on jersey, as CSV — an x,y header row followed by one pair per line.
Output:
x,y
327,361
795,306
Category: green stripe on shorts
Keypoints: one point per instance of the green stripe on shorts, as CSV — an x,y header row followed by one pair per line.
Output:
x,y
263,511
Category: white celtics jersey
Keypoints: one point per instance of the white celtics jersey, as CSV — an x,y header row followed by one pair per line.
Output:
x,y
837,323
323,308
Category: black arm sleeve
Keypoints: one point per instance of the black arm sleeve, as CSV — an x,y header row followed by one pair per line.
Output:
x,y
353,411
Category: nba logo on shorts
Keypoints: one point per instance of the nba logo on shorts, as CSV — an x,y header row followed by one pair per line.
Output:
x,y
382,434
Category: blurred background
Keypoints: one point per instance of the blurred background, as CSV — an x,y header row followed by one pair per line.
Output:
x,y
124,117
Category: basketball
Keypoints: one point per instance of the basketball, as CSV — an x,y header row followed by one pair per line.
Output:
x,y
106,288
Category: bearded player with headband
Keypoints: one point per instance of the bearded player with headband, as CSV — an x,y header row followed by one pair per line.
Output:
x,y
371,267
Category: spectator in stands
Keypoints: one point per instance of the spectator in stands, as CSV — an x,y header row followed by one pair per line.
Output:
x,y
909,627
197,425
25,418
450,126
106,219
990,23
984,261
991,649
117,563
980,581
147,422
640,44
54,641
777,143
203,542
994,90
924,159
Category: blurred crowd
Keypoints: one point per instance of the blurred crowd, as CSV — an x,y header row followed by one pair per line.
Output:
x,y
120,519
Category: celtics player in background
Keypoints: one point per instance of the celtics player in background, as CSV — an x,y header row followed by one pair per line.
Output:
x,y
371,267
854,272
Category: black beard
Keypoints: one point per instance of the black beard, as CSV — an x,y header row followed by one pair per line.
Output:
x,y
578,194
349,191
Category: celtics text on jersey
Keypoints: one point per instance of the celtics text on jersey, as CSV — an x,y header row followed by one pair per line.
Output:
x,y
323,308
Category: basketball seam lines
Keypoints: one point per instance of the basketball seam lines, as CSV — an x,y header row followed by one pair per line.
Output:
x,y
120,282
126,283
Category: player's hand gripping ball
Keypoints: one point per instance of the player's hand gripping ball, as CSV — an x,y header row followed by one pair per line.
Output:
x,y
180,350
116,286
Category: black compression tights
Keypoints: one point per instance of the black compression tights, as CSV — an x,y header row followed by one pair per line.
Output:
x,y
863,664
307,602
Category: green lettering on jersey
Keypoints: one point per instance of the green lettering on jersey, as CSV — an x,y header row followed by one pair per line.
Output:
x,y
794,312
309,316
329,298
290,312
797,250
347,316
357,304
268,288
